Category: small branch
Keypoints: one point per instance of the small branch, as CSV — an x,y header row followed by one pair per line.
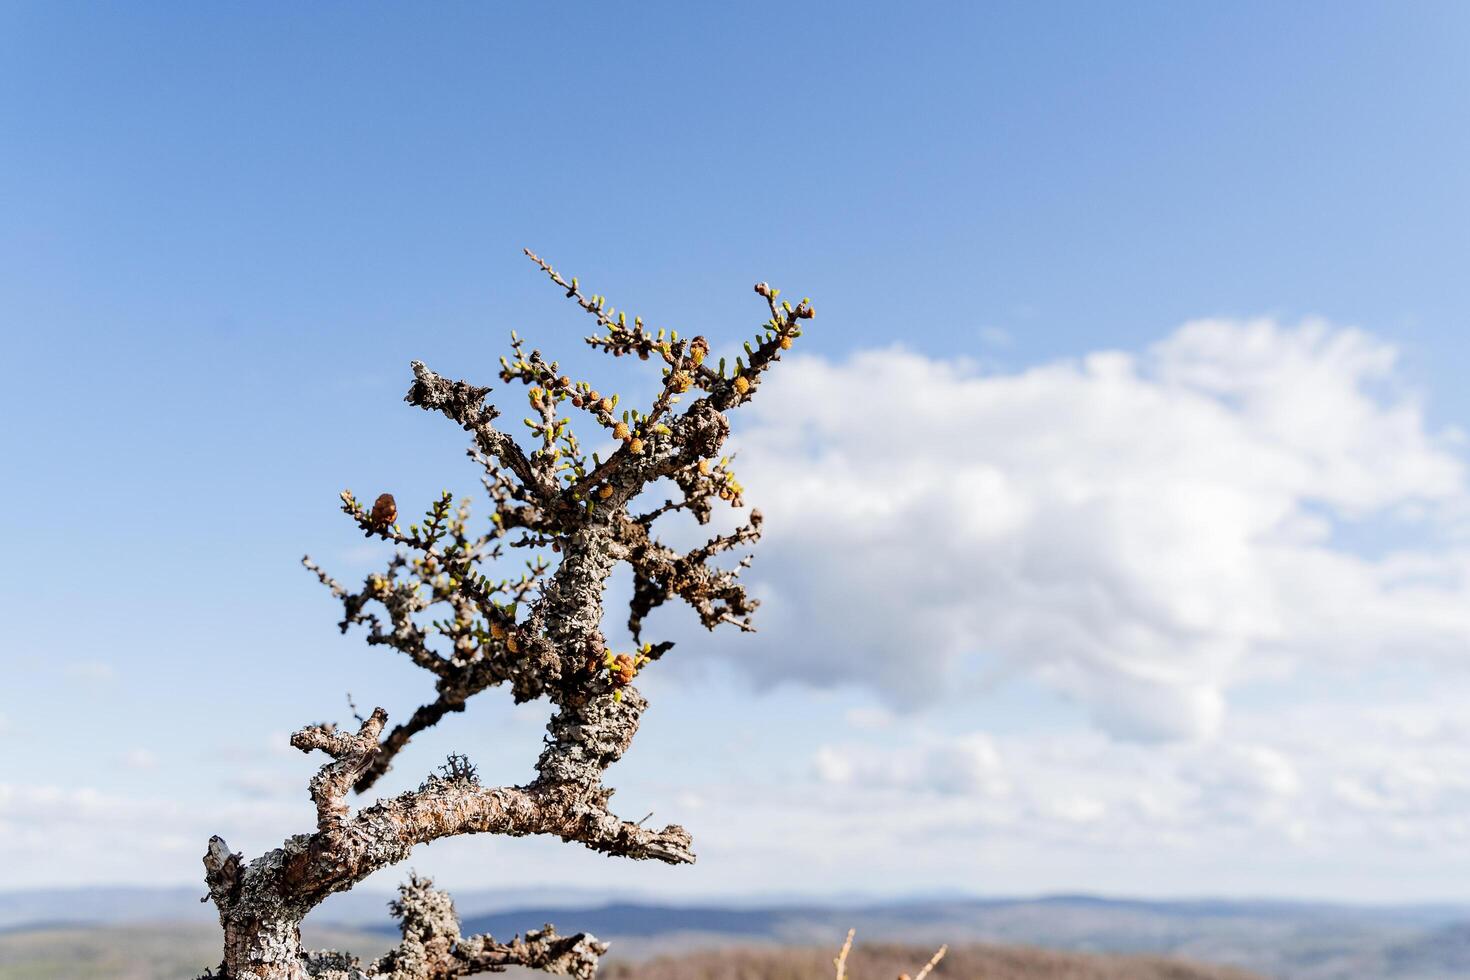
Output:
x,y
432,948
462,402
221,871
425,717
382,834
933,962
661,574
841,961
351,754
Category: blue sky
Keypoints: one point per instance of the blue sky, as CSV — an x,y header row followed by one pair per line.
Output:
x,y
226,229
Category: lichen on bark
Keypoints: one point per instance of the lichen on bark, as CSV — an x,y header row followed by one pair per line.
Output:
x,y
538,634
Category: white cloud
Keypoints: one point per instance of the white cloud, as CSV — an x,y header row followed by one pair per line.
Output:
x,y
958,766
1140,533
1264,785
123,838
870,718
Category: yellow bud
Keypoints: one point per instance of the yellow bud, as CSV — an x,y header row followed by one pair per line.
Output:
x,y
605,491
636,446
620,431
742,385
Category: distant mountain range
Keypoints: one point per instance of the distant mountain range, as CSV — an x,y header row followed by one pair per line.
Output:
x,y
118,905
1290,940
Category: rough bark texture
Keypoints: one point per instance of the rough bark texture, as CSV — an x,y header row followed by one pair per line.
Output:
x,y
538,634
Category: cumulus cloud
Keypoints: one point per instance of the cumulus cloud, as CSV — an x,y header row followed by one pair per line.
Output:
x,y
1404,783
121,837
1143,534
1139,532
958,766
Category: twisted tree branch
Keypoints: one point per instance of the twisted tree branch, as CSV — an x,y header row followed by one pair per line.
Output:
x,y
537,633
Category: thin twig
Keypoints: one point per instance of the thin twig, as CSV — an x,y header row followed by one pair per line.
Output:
x,y
933,962
841,961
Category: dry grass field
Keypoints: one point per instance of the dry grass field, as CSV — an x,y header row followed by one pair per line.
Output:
x,y
180,953
165,952
885,962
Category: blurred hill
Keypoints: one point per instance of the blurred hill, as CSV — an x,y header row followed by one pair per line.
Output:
x,y
113,928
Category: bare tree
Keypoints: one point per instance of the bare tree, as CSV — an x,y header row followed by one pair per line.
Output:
x,y
539,634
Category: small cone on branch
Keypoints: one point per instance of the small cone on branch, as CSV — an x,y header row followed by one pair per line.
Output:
x,y
385,510
624,670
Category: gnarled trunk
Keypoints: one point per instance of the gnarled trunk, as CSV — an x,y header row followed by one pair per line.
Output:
x,y
258,948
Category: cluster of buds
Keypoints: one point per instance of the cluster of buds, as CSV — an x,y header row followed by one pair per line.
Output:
x,y
802,310
633,427
500,633
602,407
558,456
533,369
722,479
589,398
732,490
620,668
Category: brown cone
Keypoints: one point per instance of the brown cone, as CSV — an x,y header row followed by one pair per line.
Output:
x,y
385,510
